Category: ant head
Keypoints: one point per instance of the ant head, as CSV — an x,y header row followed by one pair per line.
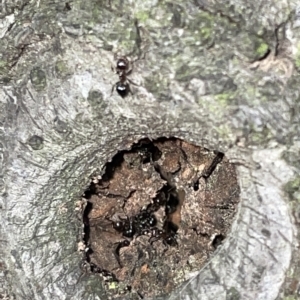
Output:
x,y
126,243
152,221
95,269
158,201
157,232
171,240
118,225
129,232
122,64
146,232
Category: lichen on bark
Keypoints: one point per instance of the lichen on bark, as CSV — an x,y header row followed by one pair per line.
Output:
x,y
205,78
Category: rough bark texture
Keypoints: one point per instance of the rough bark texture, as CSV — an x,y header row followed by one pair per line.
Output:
x,y
221,74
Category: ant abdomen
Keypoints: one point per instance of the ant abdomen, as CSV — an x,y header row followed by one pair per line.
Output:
x,y
122,89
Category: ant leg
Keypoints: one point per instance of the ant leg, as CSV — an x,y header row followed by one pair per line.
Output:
x,y
132,82
147,46
112,276
142,51
153,239
140,295
217,159
112,89
155,235
128,86
175,242
130,69
95,269
124,220
208,171
139,41
145,232
170,241
184,155
123,205
122,244
166,247
116,55
170,209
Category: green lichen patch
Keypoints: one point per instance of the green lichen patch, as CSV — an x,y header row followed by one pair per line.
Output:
x,y
202,28
219,83
93,286
38,79
95,98
225,98
297,57
233,294
3,65
61,69
292,158
268,91
186,73
158,85
142,15
9,56
262,49
178,19
251,46
209,28
292,188
260,136
4,71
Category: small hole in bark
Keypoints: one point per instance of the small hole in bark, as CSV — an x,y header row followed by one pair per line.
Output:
x,y
157,214
217,241
36,142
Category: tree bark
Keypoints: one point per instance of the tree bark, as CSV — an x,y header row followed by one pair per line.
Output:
x,y
220,74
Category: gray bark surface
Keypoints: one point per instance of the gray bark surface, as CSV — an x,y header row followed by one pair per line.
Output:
x,y
221,74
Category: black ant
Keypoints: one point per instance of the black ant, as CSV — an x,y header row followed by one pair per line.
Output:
x,y
124,226
147,151
128,229
169,238
169,235
95,269
167,198
123,69
158,201
144,219
134,225
172,203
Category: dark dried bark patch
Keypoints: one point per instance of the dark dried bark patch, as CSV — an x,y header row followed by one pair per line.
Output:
x,y
188,192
